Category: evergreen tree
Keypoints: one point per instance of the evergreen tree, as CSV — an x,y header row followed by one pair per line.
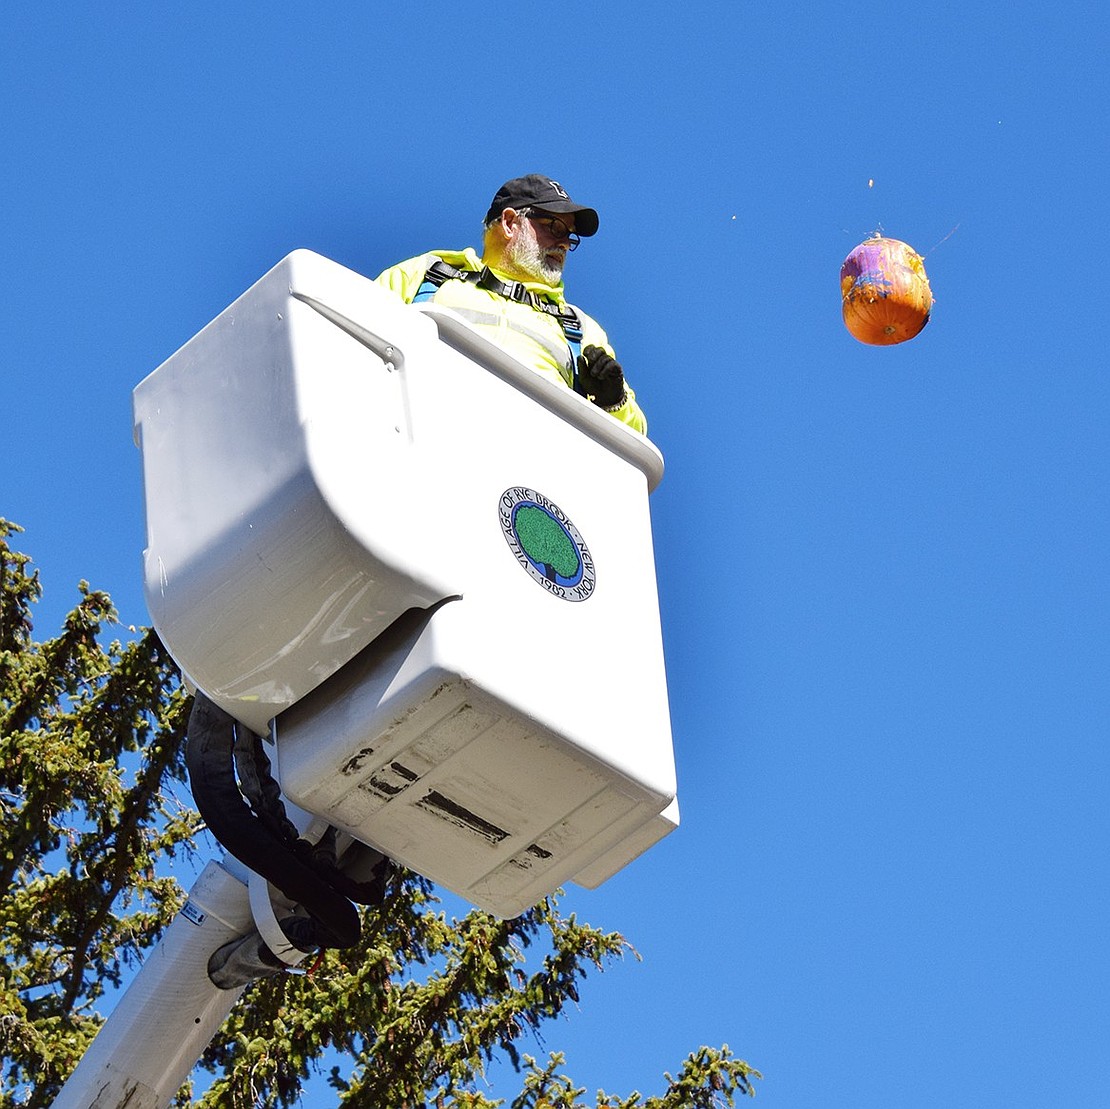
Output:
x,y
95,810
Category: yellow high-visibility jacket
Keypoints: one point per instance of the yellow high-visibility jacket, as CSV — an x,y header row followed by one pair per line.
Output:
x,y
531,336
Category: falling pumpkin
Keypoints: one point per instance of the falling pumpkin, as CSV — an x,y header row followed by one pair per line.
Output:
x,y
885,293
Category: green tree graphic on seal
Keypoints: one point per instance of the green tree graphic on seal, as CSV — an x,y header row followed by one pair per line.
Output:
x,y
546,542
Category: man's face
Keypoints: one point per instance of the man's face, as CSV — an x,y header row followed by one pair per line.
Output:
x,y
538,248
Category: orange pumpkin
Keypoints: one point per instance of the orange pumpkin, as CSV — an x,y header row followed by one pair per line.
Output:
x,y
885,293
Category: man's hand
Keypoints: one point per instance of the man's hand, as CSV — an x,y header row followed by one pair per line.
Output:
x,y
601,377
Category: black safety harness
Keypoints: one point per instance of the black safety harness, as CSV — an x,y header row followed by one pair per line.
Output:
x,y
440,271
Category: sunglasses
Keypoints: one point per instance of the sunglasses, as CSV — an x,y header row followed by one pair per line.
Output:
x,y
555,227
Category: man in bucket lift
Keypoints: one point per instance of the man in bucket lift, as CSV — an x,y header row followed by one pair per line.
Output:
x,y
513,293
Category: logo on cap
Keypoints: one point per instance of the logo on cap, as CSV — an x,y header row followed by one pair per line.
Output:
x,y
545,542
560,190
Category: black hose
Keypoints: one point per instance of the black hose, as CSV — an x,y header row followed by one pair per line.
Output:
x,y
257,782
210,757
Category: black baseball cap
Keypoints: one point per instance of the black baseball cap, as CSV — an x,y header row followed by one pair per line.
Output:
x,y
537,191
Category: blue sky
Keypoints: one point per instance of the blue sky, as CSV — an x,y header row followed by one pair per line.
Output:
x,y
883,571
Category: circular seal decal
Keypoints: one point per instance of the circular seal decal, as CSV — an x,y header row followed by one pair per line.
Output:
x,y
545,542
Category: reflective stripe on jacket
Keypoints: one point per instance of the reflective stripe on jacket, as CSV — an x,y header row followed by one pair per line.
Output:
x,y
532,337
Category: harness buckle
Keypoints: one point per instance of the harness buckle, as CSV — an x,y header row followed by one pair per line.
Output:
x,y
572,327
440,271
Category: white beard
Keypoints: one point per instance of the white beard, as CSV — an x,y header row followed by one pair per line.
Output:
x,y
530,261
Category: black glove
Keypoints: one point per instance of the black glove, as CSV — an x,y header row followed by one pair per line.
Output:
x,y
601,377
